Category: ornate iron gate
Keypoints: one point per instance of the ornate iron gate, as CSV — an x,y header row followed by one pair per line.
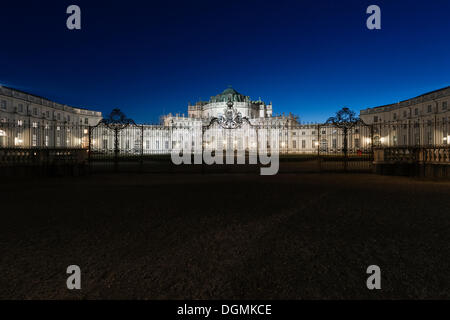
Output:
x,y
116,138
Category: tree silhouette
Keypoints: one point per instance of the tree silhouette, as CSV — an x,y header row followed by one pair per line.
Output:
x,y
344,119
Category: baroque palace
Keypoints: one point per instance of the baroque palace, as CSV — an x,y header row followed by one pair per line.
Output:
x,y
229,120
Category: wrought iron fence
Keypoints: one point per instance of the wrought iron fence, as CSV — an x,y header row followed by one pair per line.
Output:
x,y
118,139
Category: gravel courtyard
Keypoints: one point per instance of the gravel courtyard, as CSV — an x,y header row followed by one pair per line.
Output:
x,y
219,236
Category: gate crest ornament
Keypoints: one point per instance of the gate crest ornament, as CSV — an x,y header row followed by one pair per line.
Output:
x,y
231,119
117,120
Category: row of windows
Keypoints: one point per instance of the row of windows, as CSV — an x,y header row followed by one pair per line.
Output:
x,y
429,109
36,112
428,138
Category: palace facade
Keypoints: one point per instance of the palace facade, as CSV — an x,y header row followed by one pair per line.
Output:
x,y
419,121
27,120
228,120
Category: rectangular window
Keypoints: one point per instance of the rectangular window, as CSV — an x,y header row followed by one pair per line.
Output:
x,y
105,144
3,104
395,116
444,105
34,140
35,124
303,144
86,121
294,144
375,118
167,145
429,108
20,107
18,140
416,111
334,143
147,144
35,111
20,123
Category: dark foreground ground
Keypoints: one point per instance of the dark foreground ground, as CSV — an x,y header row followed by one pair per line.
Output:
x,y
222,236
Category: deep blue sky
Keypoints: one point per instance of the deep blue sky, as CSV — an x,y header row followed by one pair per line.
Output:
x,y
153,57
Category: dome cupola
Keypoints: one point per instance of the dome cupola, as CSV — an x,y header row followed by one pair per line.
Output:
x,y
229,94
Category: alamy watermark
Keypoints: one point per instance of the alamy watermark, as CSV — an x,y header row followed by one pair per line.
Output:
x,y
74,20
230,146
374,280
374,20
74,280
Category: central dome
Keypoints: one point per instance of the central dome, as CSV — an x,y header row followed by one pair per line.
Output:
x,y
229,94
229,91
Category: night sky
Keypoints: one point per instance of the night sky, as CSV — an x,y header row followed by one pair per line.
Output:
x,y
153,57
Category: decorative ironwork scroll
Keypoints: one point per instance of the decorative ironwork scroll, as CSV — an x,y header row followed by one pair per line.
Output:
x,y
117,120
231,119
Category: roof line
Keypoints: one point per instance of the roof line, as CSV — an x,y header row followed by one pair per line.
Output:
x,y
422,95
40,97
